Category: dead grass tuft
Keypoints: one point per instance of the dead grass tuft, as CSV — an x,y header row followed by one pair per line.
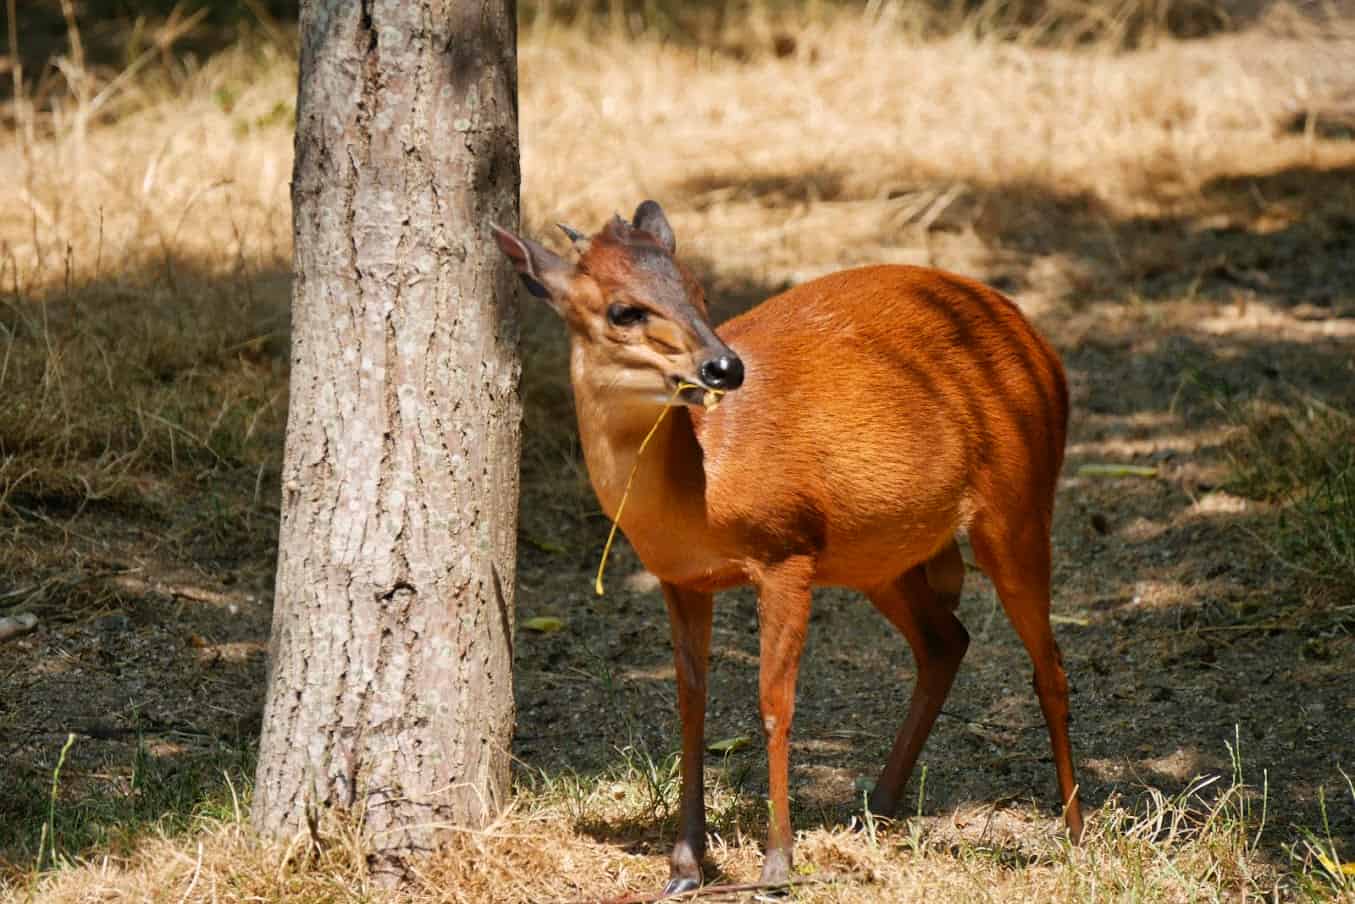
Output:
x,y
742,29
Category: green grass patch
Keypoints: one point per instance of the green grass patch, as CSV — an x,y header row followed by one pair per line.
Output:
x,y
52,817
1300,455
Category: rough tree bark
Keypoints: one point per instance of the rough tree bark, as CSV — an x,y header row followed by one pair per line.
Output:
x,y
390,664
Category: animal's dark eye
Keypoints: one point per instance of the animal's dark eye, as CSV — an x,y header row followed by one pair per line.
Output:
x,y
626,315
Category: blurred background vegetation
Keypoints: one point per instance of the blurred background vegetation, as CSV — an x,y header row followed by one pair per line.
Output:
x,y
114,31
694,19
105,39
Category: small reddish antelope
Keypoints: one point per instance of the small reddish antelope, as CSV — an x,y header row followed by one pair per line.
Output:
x,y
864,419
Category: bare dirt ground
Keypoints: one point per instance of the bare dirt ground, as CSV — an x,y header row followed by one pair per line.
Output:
x,y
146,399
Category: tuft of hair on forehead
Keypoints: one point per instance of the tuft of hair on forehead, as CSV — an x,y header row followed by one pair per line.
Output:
x,y
620,249
619,232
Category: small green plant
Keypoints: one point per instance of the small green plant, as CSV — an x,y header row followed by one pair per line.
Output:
x,y
572,794
917,835
1318,854
869,822
659,780
47,841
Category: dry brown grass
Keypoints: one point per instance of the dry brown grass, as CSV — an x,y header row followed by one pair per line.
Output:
x,y
143,283
1199,845
847,149
856,146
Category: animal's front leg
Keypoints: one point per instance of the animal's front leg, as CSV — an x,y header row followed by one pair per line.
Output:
x,y
689,615
783,618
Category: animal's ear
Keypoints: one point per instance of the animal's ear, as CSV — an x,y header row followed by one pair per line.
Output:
x,y
649,217
544,273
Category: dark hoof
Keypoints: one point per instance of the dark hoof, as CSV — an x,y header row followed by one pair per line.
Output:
x,y
880,806
680,885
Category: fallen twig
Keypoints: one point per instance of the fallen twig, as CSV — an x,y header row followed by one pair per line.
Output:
x,y
706,892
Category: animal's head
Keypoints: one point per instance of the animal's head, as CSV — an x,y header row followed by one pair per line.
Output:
x,y
638,316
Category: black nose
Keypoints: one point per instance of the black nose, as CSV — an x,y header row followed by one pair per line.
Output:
x,y
724,372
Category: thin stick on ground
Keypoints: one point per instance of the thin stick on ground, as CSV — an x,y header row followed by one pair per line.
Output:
x,y
710,892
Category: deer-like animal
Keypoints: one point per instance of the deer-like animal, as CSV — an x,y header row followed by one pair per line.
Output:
x,y
865,419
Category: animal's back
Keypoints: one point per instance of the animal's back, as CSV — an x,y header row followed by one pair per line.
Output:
x,y
883,398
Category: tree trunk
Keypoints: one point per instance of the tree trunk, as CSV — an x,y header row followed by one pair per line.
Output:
x,y
390,689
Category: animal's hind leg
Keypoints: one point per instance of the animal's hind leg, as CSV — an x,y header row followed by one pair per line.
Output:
x,y
921,604
1016,558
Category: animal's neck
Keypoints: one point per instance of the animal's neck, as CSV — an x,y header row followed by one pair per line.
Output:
x,y
668,474
666,505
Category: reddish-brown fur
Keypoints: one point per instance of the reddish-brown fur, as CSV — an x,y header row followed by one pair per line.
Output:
x,y
883,411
